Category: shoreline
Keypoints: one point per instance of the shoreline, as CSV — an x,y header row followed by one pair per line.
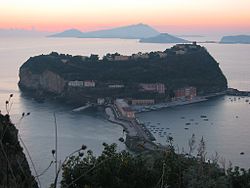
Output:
x,y
140,109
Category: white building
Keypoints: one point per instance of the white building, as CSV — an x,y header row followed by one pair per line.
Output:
x,y
100,101
75,83
153,87
162,54
89,83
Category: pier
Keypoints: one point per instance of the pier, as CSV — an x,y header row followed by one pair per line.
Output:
x,y
236,92
138,137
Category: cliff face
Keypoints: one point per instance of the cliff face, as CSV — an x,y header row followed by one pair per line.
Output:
x,y
14,168
47,81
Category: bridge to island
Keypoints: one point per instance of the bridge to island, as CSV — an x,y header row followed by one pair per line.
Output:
x,y
138,137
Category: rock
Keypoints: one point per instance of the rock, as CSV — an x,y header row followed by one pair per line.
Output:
x,y
14,171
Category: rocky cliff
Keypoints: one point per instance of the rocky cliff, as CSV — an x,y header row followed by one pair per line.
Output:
x,y
47,81
14,168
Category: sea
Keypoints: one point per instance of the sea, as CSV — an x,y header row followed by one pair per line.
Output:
x,y
226,130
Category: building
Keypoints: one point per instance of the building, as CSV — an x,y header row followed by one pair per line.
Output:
x,y
180,52
124,108
142,102
100,101
116,86
193,46
153,87
185,93
162,54
140,56
64,61
121,58
180,46
89,83
75,83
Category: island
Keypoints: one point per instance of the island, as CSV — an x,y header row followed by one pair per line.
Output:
x,y
125,85
153,75
163,38
236,39
136,31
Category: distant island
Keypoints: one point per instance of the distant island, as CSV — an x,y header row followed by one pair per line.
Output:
x,y
163,38
237,39
144,32
152,77
126,32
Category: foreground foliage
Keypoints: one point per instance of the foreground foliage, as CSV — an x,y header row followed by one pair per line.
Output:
x,y
114,169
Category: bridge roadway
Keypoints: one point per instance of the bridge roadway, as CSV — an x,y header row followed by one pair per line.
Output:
x,y
142,136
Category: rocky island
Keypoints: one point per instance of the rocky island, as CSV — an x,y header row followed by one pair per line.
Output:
x,y
147,76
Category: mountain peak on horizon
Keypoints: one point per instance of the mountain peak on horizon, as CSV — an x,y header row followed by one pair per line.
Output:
x,y
135,31
68,33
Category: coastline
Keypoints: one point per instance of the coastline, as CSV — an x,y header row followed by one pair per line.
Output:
x,y
148,108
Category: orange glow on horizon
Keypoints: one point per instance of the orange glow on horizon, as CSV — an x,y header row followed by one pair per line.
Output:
x,y
58,15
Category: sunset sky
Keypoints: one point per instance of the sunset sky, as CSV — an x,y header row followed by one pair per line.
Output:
x,y
179,16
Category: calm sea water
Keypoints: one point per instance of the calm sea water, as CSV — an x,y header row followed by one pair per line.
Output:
x,y
223,133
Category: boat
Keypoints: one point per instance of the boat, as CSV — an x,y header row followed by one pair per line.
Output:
x,y
121,139
205,119
186,128
188,123
203,116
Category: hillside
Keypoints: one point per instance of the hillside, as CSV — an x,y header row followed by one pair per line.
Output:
x,y
193,67
14,168
163,38
126,32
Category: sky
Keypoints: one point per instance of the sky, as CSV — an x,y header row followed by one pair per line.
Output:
x,y
173,16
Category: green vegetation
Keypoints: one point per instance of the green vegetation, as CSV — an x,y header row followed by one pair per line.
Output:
x,y
195,68
114,169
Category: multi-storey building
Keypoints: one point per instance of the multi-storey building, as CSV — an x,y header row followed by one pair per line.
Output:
x,y
153,87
